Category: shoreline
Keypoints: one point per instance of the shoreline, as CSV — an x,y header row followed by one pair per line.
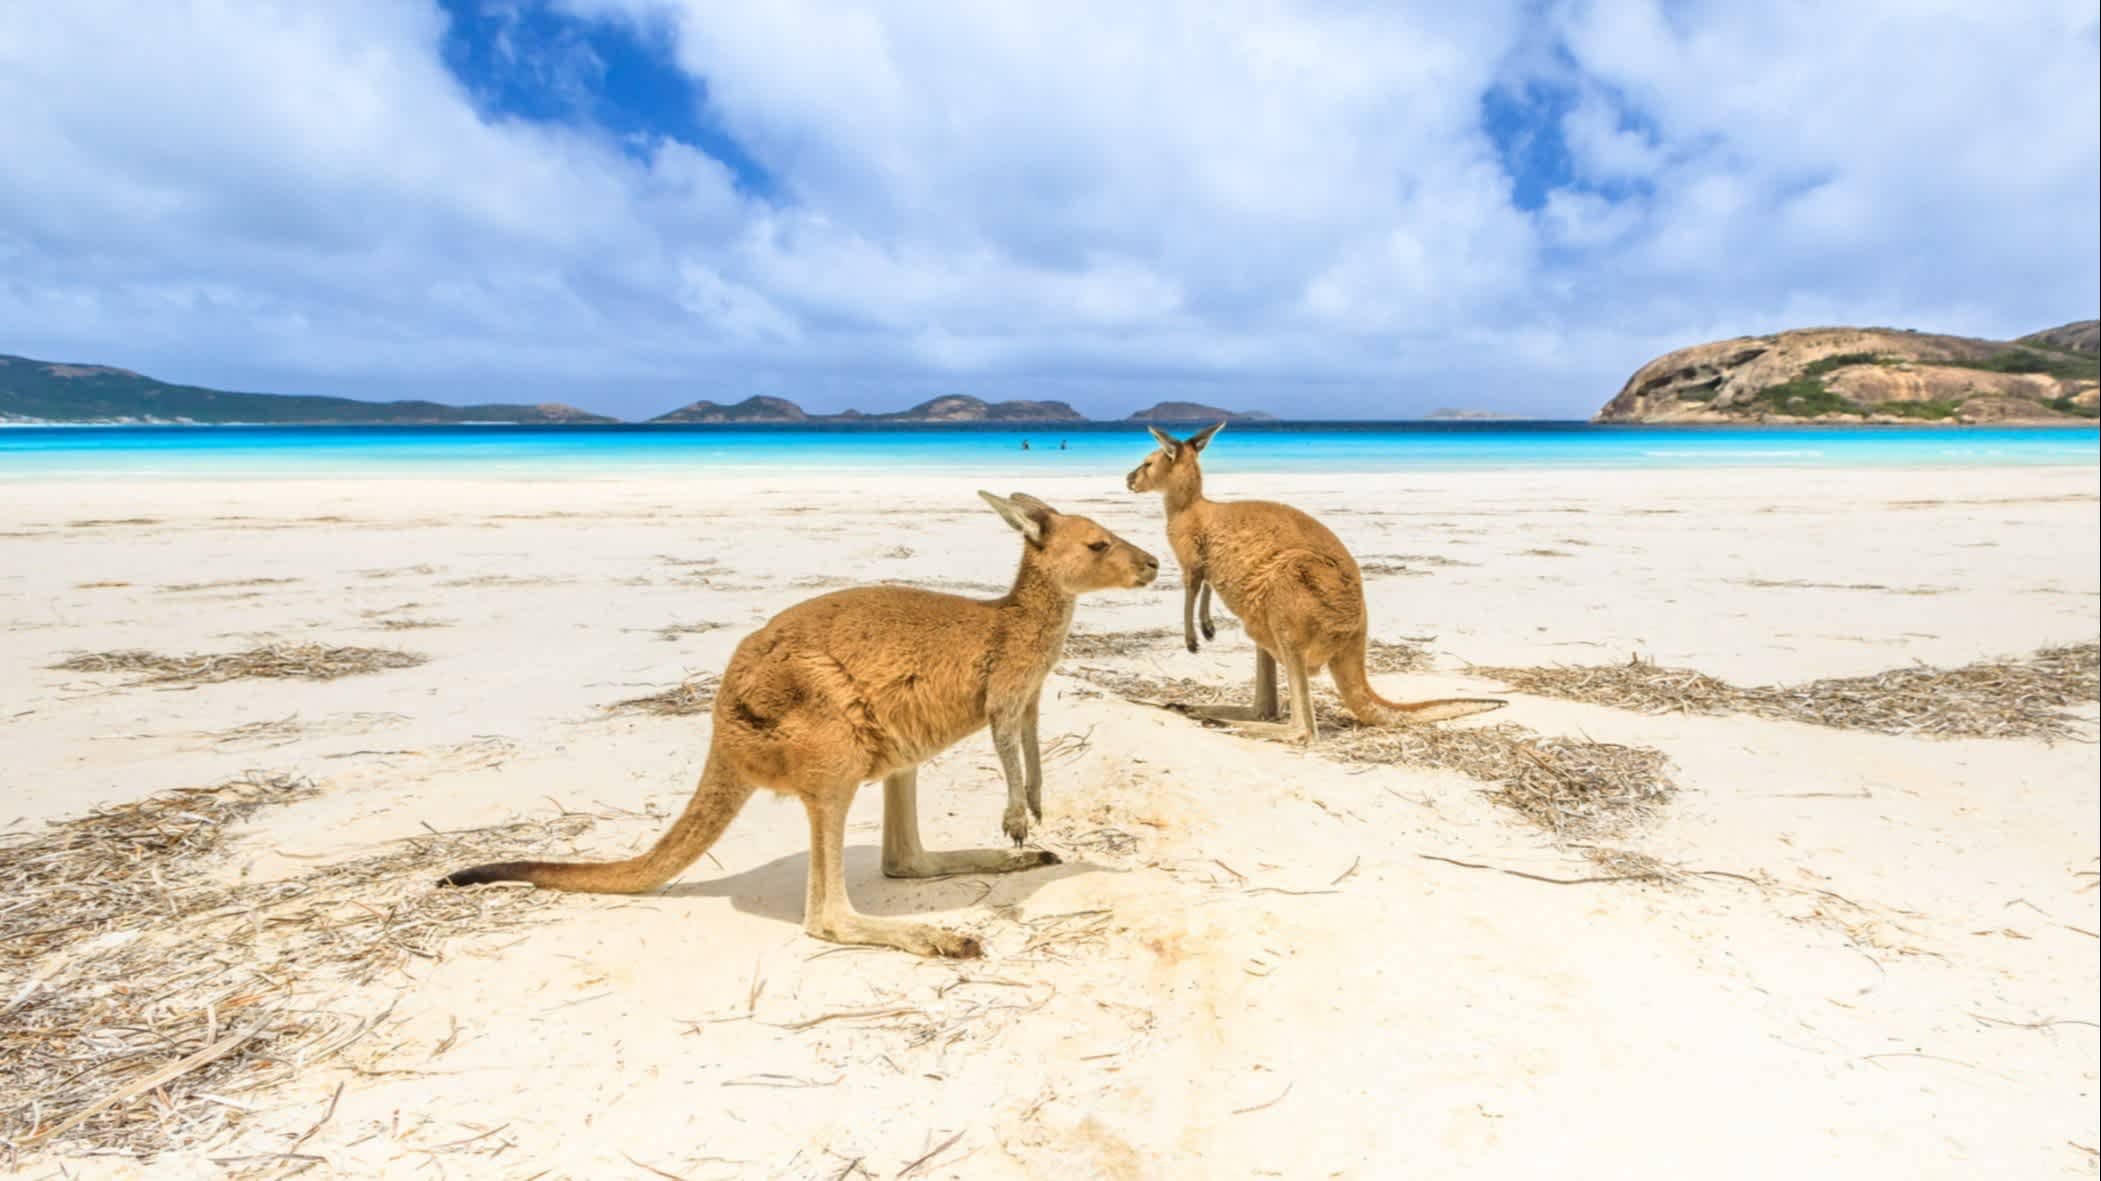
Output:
x,y
1091,424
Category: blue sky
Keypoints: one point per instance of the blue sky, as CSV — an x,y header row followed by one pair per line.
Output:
x,y
1324,208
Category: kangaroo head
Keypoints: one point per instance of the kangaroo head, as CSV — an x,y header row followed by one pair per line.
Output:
x,y
1174,464
1078,554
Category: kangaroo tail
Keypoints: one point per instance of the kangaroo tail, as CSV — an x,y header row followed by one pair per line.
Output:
x,y
1374,710
715,803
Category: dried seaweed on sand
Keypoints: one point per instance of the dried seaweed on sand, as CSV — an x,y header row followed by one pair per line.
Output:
x,y
673,631
2024,697
694,695
308,662
1573,788
1390,656
1102,645
402,623
144,988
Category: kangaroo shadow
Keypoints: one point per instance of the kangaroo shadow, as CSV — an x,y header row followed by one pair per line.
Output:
x,y
776,888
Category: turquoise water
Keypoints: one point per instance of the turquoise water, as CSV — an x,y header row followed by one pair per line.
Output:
x,y
516,452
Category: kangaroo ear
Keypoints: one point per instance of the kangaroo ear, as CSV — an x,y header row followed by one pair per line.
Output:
x,y
1031,503
1202,438
1024,521
1168,443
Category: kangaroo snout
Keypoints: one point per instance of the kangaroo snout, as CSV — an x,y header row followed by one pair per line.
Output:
x,y
1148,568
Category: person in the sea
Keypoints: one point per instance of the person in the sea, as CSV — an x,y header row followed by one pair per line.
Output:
x,y
1024,444
1061,444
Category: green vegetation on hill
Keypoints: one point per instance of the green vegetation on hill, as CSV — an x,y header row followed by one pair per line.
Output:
x,y
41,391
1931,410
2069,366
1804,397
1823,365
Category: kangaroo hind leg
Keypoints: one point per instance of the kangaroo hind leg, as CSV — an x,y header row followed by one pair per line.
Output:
x,y
1265,708
1301,728
905,857
829,914
1306,726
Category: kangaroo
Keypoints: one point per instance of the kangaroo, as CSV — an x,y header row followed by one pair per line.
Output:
x,y
866,684
1292,583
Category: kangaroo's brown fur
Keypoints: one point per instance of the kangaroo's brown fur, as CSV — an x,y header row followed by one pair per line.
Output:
x,y
1292,583
866,684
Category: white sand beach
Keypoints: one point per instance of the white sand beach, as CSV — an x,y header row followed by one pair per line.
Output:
x,y
1875,955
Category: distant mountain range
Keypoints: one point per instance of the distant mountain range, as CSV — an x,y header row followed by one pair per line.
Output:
x,y
947,408
53,392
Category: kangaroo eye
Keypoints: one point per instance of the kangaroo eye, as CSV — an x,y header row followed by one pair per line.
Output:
x,y
1100,547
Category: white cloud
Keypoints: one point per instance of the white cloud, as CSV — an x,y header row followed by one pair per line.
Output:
x,y
1603,148
1929,164
996,197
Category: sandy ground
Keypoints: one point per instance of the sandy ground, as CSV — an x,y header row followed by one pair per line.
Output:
x,y
1246,968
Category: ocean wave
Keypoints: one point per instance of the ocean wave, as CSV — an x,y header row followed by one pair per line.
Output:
x,y
1732,454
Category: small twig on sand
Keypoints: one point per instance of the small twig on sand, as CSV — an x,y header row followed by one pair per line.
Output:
x,y
325,1117
771,1079
2045,1023
1271,1103
1538,877
937,1151
844,1015
1932,1058
647,1168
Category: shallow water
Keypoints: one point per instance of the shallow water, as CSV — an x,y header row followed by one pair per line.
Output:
x,y
524,452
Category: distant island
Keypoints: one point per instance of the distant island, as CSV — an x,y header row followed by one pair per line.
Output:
x,y
947,408
1870,375
1447,414
54,392
1188,412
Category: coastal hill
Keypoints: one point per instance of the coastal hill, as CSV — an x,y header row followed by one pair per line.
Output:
x,y
1188,412
753,409
1851,375
52,392
2079,336
947,408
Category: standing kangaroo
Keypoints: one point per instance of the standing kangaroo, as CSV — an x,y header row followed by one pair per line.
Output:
x,y
1291,582
867,684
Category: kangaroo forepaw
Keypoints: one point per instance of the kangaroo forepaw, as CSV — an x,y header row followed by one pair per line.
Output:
x,y
1015,824
1210,633
1035,801
954,945
1190,640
